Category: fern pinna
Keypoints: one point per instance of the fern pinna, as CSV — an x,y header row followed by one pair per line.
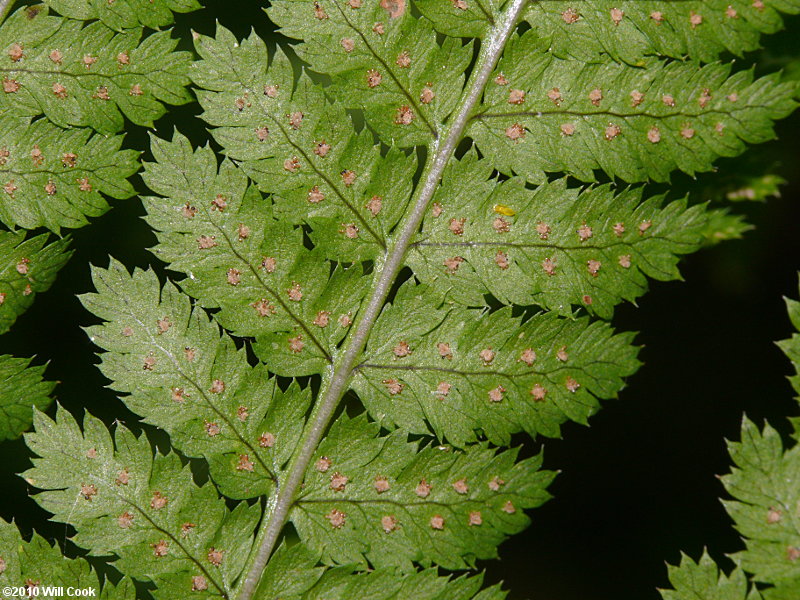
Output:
x,y
433,212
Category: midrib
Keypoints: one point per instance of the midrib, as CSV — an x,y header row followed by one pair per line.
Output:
x,y
336,382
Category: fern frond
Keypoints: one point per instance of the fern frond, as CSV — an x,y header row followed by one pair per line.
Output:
x,y
383,60
555,247
293,572
27,267
240,258
703,580
124,14
791,346
548,115
144,510
297,145
81,74
22,388
197,386
366,265
766,498
384,500
54,178
36,566
449,371
461,18
630,30
723,225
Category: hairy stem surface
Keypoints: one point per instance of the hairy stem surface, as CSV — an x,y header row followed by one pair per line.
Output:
x,y
340,373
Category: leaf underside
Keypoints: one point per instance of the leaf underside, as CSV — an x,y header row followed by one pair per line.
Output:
x,y
398,220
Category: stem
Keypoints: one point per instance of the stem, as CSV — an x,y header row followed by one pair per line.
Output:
x,y
5,6
342,371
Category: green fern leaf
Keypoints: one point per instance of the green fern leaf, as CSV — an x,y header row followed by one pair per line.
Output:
x,y
791,347
722,226
629,30
461,18
382,498
186,379
450,371
295,144
251,266
547,115
340,264
293,572
23,388
383,60
54,178
555,247
124,14
28,267
766,497
703,581
37,566
80,74
146,511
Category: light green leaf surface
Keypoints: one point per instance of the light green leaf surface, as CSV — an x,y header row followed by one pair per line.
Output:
x,y
87,75
301,148
121,14
445,370
703,581
27,268
185,378
54,178
629,30
764,485
238,257
384,60
389,502
554,247
791,346
144,510
36,565
461,18
23,388
292,572
549,115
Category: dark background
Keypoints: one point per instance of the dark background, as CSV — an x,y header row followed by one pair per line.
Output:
x,y
638,486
